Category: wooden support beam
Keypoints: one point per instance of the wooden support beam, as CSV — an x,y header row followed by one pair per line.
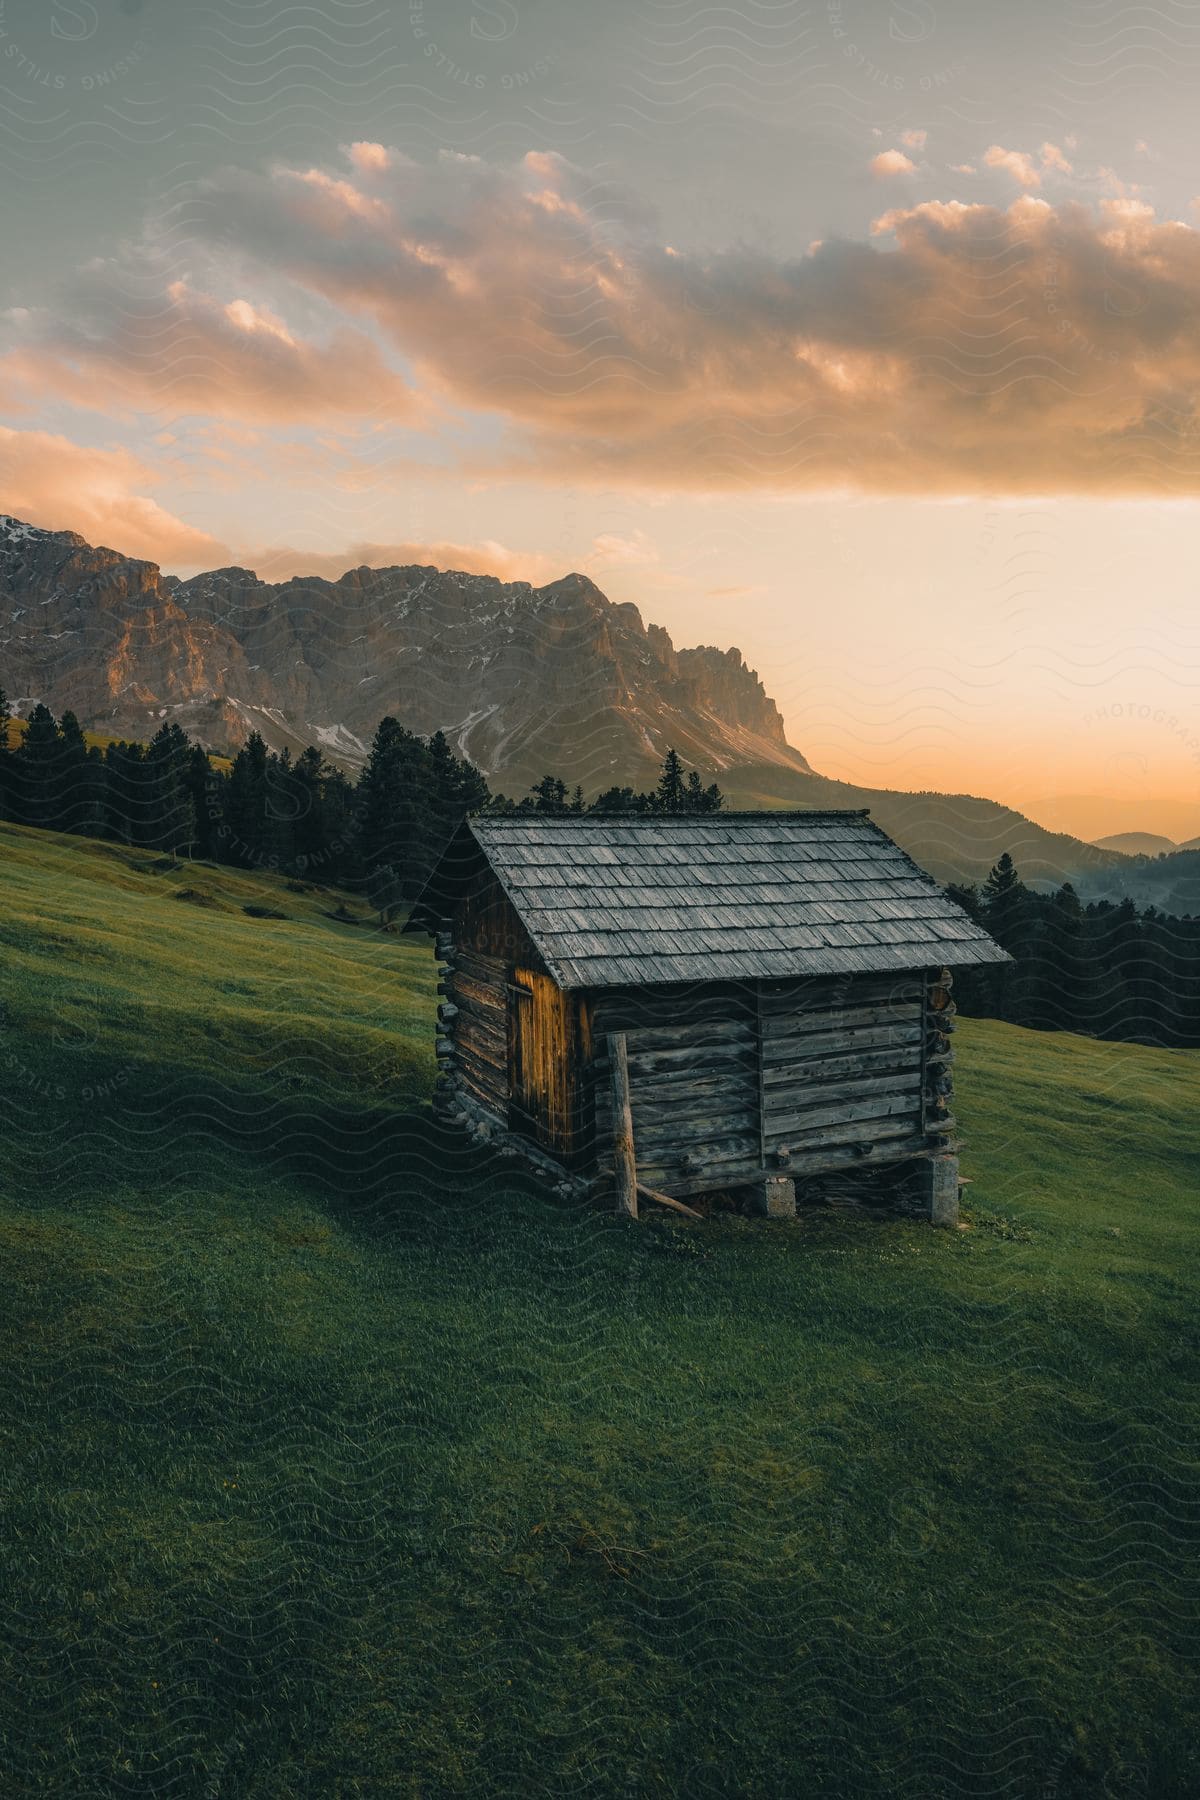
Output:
x,y
666,1200
624,1159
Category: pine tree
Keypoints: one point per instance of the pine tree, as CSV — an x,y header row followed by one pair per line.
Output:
x,y
394,793
170,818
1005,913
206,792
966,895
1064,976
700,799
671,792
244,842
309,844
80,781
620,800
456,789
339,821
282,804
1002,882
549,795
36,767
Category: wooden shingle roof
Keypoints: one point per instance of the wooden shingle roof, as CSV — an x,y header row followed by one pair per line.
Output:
x,y
628,901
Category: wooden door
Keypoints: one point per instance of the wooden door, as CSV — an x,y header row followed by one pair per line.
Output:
x,y
548,1048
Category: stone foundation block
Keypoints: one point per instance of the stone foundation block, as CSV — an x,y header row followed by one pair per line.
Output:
x,y
776,1197
939,1190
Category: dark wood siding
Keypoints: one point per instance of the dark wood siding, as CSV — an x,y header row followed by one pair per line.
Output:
x,y
694,1096
731,1081
481,1029
485,920
841,1067
487,937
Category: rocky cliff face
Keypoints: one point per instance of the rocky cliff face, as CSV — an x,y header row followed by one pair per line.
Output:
x,y
522,679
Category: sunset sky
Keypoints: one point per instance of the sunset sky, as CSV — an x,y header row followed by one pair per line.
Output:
x,y
866,337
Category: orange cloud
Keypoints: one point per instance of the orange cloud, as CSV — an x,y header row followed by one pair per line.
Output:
x,y
1053,158
369,156
1030,349
52,482
968,349
892,162
1014,163
128,339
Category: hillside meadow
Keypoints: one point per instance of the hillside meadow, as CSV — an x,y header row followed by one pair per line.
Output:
x,y
338,1460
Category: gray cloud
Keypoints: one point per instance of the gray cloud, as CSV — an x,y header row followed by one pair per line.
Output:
x,y
965,348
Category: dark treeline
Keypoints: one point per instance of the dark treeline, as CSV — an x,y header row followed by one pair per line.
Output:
x,y
1104,969
302,816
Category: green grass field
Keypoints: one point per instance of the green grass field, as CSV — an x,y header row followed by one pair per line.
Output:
x,y
339,1462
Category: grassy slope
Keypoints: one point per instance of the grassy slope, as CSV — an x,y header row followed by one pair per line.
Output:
x,y
338,1463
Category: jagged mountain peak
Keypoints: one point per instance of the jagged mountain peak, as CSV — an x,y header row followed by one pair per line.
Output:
x,y
522,679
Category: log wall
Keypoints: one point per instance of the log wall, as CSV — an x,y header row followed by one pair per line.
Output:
x,y
735,1082
476,987
695,1102
728,1082
842,1069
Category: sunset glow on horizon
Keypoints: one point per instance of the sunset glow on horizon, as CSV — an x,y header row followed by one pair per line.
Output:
x,y
915,427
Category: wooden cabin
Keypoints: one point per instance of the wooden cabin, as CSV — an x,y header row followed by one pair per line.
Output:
x,y
702,1003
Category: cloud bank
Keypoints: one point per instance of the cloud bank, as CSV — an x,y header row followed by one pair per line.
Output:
x,y
963,349
100,493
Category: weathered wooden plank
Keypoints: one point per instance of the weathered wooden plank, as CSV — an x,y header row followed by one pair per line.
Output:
x,y
792,1127
889,1145
725,1055
479,964
624,1162
787,1046
816,997
842,1018
860,1134
679,1084
717,1092
856,1037
487,1055
818,1160
550,1045
482,1018
689,1131
811,1071
673,1005
708,1151
492,1043
493,1017
689,1035
717,1179
496,1105
823,1094
484,996
491,1065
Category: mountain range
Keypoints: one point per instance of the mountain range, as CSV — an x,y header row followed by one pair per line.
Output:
x,y
1144,843
522,679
